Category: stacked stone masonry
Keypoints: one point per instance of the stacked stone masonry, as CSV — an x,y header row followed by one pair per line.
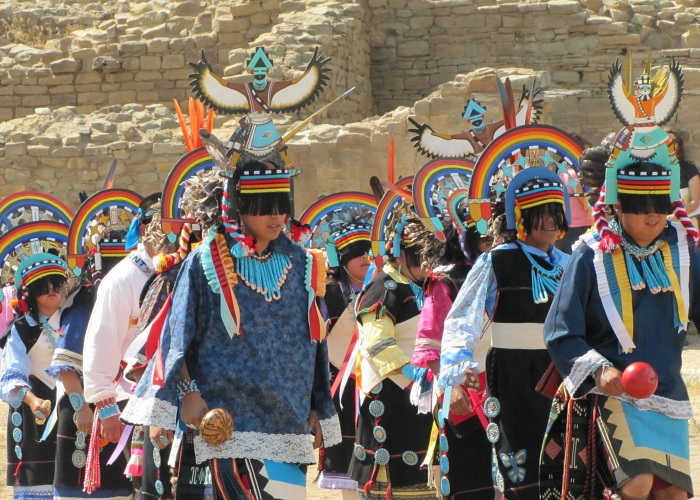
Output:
x,y
100,82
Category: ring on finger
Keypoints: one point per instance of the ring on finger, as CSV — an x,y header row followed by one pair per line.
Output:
x,y
164,440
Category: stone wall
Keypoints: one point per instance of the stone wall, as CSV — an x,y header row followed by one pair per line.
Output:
x,y
419,44
138,52
110,70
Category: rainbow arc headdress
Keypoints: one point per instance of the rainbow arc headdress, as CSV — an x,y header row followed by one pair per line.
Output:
x,y
438,187
341,224
100,226
32,206
515,152
32,238
394,211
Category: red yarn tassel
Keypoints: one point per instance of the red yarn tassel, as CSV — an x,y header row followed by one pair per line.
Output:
x,y
92,465
387,492
370,484
682,216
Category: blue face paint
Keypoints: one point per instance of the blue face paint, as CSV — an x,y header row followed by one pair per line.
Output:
x,y
474,114
478,124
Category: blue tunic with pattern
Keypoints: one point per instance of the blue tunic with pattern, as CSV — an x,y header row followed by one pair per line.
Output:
x,y
269,378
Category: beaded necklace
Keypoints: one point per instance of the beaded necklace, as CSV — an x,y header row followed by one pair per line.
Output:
x,y
264,274
50,331
418,293
654,274
543,280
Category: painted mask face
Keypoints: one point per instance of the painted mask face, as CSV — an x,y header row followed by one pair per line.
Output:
x,y
643,90
478,123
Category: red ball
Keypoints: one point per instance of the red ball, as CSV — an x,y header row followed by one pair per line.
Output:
x,y
640,380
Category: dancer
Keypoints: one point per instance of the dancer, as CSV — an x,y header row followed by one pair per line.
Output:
x,y
75,415
340,225
469,472
392,437
636,288
514,283
253,347
24,383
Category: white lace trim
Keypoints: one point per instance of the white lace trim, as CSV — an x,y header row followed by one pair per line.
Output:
x,y
291,448
332,434
582,370
150,411
669,407
681,410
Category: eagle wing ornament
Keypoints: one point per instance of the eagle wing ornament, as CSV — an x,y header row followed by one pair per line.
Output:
x,y
618,94
670,83
291,95
437,145
217,93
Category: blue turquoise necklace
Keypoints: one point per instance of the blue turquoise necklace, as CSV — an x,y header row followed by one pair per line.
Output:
x,y
264,274
418,294
654,274
50,331
543,280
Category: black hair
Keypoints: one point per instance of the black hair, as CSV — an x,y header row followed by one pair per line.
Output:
x,y
150,201
533,217
679,142
647,203
592,171
108,263
412,256
472,239
41,287
340,274
353,250
257,203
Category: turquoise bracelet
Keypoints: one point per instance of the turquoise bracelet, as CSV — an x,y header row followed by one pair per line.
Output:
x,y
600,365
108,411
76,401
20,397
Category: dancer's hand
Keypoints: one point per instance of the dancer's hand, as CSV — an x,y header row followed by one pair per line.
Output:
x,y
193,410
111,429
608,380
315,429
161,437
471,379
83,419
459,401
38,405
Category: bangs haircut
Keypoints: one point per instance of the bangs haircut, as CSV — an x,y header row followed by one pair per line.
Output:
x,y
273,203
533,218
41,287
354,250
265,204
645,204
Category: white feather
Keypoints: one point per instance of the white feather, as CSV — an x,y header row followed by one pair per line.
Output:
x,y
619,100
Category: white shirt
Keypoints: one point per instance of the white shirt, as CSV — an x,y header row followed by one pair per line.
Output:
x,y
112,326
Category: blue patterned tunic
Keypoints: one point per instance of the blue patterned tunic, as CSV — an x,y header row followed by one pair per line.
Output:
x,y
269,378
